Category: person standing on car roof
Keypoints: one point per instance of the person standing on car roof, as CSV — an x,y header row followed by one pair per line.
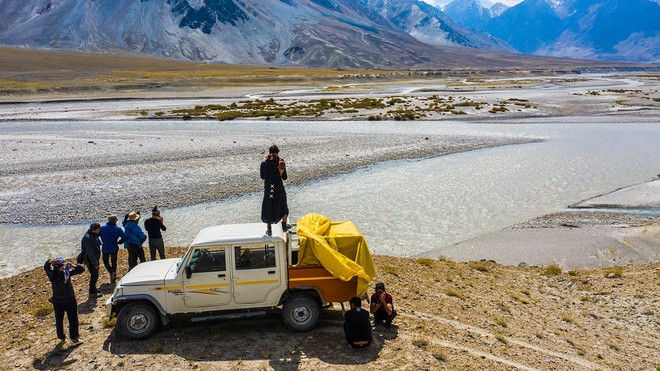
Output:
x,y
274,206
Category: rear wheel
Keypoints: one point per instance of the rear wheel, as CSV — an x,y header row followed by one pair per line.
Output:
x,y
137,321
300,313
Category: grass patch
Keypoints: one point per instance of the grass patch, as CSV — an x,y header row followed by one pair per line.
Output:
x,y
442,357
567,317
501,339
429,263
420,342
614,272
390,270
501,322
479,266
109,322
456,294
43,310
573,273
552,270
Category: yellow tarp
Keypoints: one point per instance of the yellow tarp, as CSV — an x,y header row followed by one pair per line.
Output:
x,y
338,247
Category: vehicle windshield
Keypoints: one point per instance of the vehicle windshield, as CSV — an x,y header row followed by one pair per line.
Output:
x,y
183,259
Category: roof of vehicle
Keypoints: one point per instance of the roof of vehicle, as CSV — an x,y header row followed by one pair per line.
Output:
x,y
238,234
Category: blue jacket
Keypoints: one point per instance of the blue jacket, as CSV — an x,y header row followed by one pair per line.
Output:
x,y
134,234
111,235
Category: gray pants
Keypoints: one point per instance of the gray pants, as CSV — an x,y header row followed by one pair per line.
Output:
x,y
156,244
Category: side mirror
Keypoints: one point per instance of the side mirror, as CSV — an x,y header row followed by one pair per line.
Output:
x,y
188,272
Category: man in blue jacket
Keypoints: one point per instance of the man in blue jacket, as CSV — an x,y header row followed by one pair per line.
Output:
x,y
135,238
91,245
111,236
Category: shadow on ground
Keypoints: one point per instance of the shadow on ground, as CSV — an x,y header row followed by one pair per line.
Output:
x,y
55,359
263,338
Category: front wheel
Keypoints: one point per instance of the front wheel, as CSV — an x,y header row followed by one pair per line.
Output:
x,y
300,313
137,321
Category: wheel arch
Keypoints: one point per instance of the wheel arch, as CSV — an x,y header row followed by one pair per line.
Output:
x,y
121,301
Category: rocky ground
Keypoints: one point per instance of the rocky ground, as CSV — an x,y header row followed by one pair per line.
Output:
x,y
472,315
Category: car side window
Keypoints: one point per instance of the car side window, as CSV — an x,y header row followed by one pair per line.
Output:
x,y
210,259
255,256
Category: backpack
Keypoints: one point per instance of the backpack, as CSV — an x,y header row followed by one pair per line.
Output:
x,y
82,256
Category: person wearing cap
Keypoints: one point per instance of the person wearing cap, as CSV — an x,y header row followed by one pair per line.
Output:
x,y
111,236
274,206
153,227
382,306
91,245
59,274
357,328
135,238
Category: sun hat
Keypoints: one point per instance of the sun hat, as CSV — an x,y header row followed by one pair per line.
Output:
x,y
133,216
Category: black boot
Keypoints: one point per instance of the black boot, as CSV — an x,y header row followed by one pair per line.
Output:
x,y
286,226
269,230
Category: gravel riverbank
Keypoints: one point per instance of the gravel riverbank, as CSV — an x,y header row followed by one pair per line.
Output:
x,y
75,172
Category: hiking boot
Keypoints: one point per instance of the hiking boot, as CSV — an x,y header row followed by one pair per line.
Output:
x,y
286,226
94,295
269,230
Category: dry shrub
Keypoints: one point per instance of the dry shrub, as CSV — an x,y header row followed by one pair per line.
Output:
x,y
552,270
479,266
420,342
391,270
614,272
109,322
43,309
456,294
567,317
429,263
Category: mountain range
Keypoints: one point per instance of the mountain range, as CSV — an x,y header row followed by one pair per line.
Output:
x,y
617,30
313,33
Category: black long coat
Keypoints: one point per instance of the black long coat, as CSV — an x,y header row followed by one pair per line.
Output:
x,y
274,205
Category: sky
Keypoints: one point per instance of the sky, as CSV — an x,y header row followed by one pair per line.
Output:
x,y
442,3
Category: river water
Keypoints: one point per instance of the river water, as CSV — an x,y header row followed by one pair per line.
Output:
x,y
410,206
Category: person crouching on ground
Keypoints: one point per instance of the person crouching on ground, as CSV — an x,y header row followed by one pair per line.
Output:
x,y
59,274
356,325
382,306
111,236
274,206
153,226
135,238
91,245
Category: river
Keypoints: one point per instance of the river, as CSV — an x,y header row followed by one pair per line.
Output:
x,y
411,206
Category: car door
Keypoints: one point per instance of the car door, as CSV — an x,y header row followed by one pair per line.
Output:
x,y
208,284
255,272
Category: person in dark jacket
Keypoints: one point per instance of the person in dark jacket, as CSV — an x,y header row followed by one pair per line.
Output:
x,y
357,327
153,226
135,238
64,298
274,206
111,236
91,245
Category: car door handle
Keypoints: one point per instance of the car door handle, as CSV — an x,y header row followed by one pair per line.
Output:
x,y
271,272
221,275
